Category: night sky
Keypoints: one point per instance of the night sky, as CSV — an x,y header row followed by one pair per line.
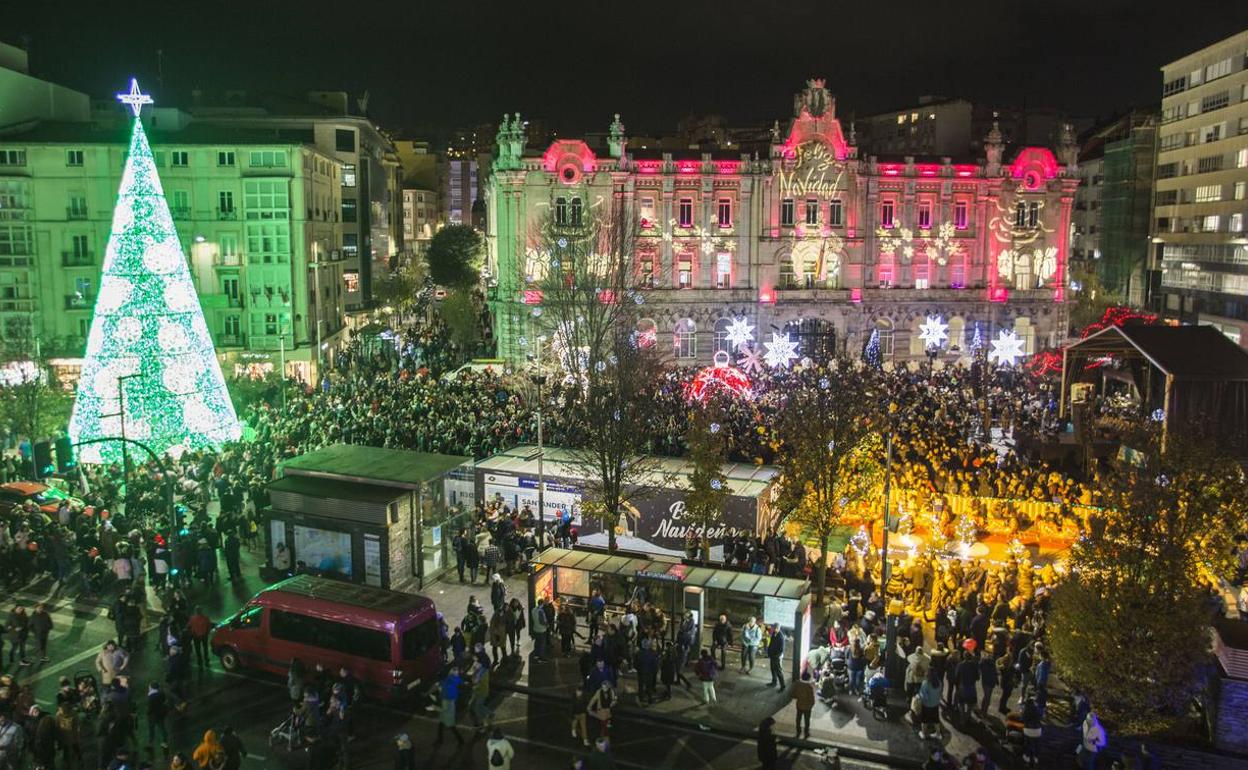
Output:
x,y
433,66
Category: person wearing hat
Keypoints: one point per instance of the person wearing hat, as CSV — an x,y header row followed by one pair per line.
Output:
x,y
404,759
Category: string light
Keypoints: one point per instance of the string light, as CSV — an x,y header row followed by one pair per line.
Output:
x,y
148,327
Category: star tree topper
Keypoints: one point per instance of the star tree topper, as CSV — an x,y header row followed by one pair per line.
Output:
x,y
135,99
739,332
780,351
933,331
1007,348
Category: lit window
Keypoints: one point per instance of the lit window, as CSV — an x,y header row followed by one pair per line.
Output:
x,y
647,211
724,209
1236,225
684,271
685,213
786,212
348,174
685,339
961,213
723,270
925,215
886,274
351,281
1241,158
901,119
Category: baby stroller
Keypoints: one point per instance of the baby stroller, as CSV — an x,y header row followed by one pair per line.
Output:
x,y
88,692
875,697
290,732
838,669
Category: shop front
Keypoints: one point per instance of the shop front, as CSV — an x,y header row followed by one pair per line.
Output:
x,y
670,585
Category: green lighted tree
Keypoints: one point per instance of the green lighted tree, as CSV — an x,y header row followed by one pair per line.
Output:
x,y
1136,593
149,353
708,486
830,450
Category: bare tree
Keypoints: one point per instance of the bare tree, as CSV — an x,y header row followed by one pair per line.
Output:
x,y
830,448
589,312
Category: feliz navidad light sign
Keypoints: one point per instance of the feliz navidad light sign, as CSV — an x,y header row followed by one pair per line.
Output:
x,y
815,172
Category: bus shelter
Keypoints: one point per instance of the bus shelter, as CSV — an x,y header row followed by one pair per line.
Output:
x,y
571,576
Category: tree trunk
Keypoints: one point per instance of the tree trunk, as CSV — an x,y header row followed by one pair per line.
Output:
x,y
610,523
821,577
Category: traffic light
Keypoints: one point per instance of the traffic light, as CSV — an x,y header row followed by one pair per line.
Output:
x,y
64,454
43,459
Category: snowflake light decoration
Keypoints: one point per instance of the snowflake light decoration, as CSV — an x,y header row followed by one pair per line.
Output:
x,y
780,351
933,331
1007,348
751,359
739,332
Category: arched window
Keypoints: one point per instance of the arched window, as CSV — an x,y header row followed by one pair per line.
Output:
x,y
957,332
561,211
647,333
685,339
722,345
885,328
576,212
1027,333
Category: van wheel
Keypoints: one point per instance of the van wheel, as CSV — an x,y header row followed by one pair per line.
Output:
x,y
229,659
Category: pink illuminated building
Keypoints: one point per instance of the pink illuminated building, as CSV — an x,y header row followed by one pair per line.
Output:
x,y
808,237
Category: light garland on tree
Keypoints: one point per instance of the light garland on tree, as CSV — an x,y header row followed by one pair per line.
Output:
x,y
148,338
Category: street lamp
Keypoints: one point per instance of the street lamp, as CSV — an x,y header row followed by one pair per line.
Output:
x,y
121,413
539,379
315,267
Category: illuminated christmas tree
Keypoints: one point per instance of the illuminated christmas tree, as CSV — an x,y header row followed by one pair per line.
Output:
x,y
871,353
149,353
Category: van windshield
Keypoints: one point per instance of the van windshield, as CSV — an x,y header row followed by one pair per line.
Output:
x,y
418,640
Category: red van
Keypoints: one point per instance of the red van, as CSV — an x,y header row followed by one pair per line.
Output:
x,y
387,640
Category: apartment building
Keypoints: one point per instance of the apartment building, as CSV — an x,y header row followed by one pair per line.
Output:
x,y
1200,198
258,213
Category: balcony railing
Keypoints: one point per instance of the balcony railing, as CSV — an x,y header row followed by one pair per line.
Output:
x,y
79,302
17,305
228,260
230,340
180,212
227,214
75,213
77,259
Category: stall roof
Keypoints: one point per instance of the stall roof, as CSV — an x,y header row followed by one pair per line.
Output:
x,y
374,465
1183,352
744,480
708,577
336,489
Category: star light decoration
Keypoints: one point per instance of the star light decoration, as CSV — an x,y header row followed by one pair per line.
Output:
x,y
135,99
933,331
780,351
1007,348
751,359
739,332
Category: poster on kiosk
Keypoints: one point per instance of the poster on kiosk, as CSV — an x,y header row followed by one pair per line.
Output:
x,y
652,523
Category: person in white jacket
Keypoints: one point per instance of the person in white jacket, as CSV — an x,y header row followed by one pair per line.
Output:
x,y
111,661
498,751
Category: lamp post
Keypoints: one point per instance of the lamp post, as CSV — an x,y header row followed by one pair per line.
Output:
x,y
315,267
539,379
121,413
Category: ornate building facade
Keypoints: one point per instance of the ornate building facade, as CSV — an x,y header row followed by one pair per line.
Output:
x,y
811,241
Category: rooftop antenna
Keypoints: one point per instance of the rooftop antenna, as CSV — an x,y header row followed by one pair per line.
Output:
x,y
160,68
